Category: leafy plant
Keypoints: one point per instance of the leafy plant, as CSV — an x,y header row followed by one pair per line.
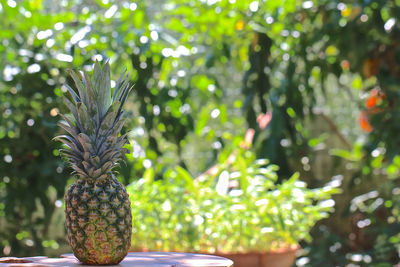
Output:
x,y
241,208
376,212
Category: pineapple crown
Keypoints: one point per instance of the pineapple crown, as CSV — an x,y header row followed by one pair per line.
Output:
x,y
92,145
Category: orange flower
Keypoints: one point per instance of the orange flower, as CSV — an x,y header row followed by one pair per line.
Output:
x,y
374,99
364,123
371,102
345,64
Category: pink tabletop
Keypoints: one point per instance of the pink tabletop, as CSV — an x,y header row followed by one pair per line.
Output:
x,y
133,259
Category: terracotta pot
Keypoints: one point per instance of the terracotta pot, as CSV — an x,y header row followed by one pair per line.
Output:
x,y
281,258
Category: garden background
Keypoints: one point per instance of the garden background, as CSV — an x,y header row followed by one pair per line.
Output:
x,y
327,72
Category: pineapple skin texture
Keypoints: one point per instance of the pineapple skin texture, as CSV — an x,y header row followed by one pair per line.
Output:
x,y
98,221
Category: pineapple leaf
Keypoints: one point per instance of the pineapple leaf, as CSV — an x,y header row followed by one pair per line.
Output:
x,y
97,173
107,123
70,122
108,156
86,143
103,176
104,154
86,165
123,98
107,166
92,106
117,127
71,91
121,85
110,142
79,170
71,107
109,117
90,172
117,164
101,82
95,161
80,174
93,145
105,130
71,130
86,156
71,154
69,142
125,151
122,140
115,157
79,85
84,119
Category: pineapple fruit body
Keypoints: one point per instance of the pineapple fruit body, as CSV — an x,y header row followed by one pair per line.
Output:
x,y
98,221
97,206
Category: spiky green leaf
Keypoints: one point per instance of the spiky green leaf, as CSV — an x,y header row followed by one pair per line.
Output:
x,y
70,122
86,156
79,85
71,130
87,166
92,105
71,107
123,82
96,173
95,161
101,83
123,98
107,166
84,119
71,91
93,146
86,143
69,142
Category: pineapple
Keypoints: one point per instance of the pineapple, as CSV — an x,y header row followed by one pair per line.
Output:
x,y
97,206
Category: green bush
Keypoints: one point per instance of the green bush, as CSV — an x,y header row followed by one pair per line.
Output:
x,y
240,209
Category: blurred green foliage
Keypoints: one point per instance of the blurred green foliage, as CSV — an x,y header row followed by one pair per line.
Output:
x,y
204,72
239,209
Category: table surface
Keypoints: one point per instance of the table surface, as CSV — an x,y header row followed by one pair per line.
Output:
x,y
133,259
